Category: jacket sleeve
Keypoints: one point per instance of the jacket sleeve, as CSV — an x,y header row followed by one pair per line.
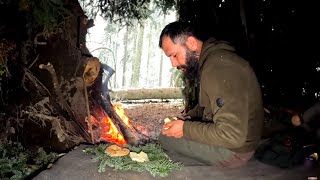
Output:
x,y
229,81
311,117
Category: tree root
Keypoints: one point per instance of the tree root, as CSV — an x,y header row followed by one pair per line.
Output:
x,y
62,102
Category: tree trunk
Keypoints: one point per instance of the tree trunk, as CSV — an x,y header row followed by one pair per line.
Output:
x,y
135,50
115,85
61,66
54,79
137,60
161,69
244,22
149,58
125,57
161,56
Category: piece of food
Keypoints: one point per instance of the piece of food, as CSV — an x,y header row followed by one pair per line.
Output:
x,y
167,120
174,118
295,120
115,150
141,157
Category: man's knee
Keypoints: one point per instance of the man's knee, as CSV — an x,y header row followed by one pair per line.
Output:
x,y
171,144
166,142
162,140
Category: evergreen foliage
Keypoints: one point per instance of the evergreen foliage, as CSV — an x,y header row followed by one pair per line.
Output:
x,y
159,165
30,17
46,15
125,11
16,162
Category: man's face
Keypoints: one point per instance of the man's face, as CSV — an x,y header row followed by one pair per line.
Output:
x,y
181,57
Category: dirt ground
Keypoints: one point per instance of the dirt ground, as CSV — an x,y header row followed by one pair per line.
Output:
x,y
147,117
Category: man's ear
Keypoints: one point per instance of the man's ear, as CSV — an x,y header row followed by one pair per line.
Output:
x,y
191,43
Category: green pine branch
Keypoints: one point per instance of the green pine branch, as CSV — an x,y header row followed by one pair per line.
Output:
x,y
159,163
16,162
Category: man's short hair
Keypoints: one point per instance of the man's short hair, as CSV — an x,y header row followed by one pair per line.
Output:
x,y
178,32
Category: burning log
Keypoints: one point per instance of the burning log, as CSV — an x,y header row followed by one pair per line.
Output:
x,y
115,126
101,108
129,134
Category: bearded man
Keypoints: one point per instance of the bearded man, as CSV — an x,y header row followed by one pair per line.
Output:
x,y
230,105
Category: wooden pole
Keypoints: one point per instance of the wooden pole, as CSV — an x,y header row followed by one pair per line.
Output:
x,y
88,110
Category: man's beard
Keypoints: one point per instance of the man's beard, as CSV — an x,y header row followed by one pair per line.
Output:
x,y
192,65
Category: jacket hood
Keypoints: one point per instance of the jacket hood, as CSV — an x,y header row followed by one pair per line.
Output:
x,y
210,46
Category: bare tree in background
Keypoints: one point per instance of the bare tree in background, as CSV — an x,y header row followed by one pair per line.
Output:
x,y
137,59
125,57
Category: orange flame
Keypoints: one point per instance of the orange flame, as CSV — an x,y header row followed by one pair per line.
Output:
x,y
109,132
122,115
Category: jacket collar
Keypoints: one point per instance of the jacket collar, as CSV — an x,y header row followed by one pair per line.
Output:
x,y
209,46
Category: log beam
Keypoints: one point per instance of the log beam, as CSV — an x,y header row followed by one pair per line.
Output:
x,y
137,94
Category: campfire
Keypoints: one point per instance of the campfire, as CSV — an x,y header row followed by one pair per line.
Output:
x,y
109,131
107,122
113,126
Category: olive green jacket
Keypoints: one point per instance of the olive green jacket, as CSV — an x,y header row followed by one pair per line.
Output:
x,y
237,125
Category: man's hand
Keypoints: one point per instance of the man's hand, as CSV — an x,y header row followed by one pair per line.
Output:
x,y
173,128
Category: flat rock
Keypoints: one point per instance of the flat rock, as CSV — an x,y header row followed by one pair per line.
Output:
x,y
78,165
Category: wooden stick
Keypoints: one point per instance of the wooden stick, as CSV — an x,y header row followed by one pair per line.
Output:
x,y
88,110
34,61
